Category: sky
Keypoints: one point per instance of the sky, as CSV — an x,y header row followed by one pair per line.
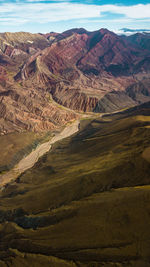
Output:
x,y
60,15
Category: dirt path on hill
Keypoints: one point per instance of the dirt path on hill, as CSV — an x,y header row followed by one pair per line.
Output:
x,y
29,161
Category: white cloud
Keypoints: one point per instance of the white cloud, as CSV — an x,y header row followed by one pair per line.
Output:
x,y
137,11
52,12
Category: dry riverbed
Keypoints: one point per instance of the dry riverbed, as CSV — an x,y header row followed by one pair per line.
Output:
x,y
29,161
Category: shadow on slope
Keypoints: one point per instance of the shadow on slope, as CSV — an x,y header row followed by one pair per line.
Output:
x,y
87,201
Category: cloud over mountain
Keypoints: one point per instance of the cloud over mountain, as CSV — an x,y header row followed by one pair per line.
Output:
x,y
25,13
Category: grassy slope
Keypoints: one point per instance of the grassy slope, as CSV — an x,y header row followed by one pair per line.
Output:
x,y
15,145
84,204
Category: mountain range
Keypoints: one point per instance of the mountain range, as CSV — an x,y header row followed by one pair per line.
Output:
x,y
83,71
75,149
126,30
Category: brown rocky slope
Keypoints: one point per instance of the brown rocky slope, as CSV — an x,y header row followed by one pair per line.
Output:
x,y
80,68
83,71
22,107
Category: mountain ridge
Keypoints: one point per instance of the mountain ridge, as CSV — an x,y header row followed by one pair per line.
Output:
x,y
80,70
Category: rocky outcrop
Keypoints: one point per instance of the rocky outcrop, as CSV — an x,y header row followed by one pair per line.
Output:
x,y
114,101
23,40
20,45
21,109
75,100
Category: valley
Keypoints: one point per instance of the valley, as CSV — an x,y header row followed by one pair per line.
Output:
x,y
28,161
75,149
80,203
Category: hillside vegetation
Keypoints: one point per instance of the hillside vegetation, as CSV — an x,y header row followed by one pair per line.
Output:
x,y
85,203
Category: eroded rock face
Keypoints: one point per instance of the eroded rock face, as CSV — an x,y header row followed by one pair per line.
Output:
x,y
83,71
79,68
21,109
25,107
22,40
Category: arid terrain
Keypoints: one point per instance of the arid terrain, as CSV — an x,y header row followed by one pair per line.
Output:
x,y
84,71
75,149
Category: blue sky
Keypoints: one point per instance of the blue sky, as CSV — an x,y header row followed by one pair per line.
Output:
x,y
59,15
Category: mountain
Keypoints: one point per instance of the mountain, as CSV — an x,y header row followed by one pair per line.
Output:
x,y
24,108
85,202
80,68
23,41
84,71
140,39
134,30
